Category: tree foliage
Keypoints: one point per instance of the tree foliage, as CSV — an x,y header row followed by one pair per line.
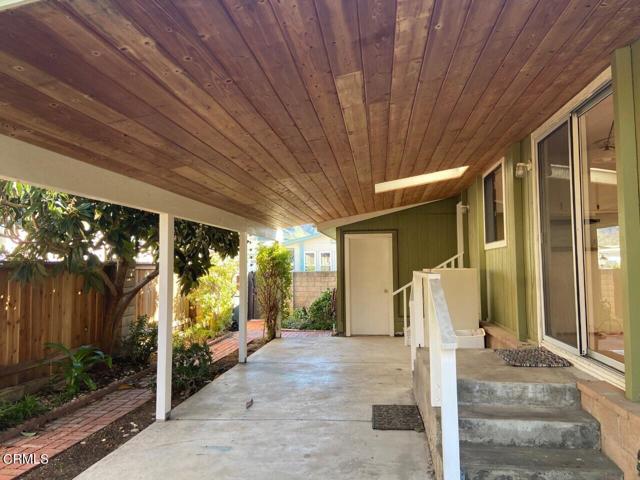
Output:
x,y
273,281
213,297
99,241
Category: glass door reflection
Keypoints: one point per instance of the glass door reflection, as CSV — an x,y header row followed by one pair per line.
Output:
x,y
601,232
557,229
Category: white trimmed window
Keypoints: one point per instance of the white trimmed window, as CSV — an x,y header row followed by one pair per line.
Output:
x,y
309,261
325,261
494,207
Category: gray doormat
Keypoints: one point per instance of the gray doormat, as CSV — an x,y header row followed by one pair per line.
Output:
x,y
532,357
397,417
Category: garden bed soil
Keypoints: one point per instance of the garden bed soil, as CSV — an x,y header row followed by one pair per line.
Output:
x,y
78,458
104,377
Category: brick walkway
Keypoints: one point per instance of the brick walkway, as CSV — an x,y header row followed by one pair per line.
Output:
x,y
64,432
229,345
305,333
255,329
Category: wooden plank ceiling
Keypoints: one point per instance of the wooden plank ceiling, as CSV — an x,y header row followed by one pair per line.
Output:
x,y
289,111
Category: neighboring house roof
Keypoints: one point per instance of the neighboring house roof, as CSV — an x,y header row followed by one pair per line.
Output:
x,y
295,241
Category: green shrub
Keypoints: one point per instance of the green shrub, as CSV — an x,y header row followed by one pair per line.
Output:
x,y
141,341
14,413
196,333
213,297
321,314
191,366
297,319
273,282
75,366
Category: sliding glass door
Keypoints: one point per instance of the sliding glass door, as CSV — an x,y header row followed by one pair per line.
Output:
x,y
557,233
600,248
580,241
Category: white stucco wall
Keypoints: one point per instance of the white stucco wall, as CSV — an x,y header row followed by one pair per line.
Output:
x,y
315,245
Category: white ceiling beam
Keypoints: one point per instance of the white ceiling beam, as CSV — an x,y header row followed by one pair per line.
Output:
x,y
23,162
8,4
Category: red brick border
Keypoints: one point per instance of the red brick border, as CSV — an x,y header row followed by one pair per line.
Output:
x,y
65,432
67,408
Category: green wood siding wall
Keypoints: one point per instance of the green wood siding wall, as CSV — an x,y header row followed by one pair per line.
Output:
x,y
626,89
475,239
509,284
424,237
530,243
502,269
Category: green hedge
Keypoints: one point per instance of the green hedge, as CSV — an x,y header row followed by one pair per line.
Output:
x,y
321,314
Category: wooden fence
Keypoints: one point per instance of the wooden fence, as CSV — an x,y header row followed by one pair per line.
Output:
x,y
146,303
54,309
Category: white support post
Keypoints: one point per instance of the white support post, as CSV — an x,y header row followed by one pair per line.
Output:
x,y
412,330
243,284
449,415
418,326
460,209
165,317
435,380
404,316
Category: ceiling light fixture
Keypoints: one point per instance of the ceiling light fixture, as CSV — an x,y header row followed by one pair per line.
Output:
x,y
433,177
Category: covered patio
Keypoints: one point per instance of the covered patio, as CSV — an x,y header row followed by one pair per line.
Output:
x,y
257,115
310,418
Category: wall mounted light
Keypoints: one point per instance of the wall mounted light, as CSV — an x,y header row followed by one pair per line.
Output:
x,y
522,169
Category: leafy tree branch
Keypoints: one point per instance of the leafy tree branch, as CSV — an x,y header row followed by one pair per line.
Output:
x,y
100,242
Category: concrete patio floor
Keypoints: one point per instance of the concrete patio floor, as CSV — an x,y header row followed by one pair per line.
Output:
x,y
311,419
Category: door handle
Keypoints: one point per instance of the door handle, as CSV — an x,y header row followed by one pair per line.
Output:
x,y
386,291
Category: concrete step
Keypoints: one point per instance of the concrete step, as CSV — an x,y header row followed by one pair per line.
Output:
x,y
516,463
520,426
479,392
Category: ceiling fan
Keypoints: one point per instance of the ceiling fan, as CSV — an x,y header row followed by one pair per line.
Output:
x,y
607,144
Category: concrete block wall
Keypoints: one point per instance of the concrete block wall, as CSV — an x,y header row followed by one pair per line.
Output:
x,y
307,286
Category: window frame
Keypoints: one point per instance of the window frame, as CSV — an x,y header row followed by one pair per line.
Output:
x,y
315,259
328,252
496,243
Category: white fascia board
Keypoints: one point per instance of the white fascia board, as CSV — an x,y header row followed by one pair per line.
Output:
x,y
329,227
8,4
24,162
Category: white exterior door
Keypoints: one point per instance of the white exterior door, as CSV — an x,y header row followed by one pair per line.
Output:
x,y
369,284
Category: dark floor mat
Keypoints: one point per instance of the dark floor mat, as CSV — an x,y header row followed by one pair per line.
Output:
x,y
532,357
397,417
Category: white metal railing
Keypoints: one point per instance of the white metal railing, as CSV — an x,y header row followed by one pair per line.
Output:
x,y
405,318
431,322
457,261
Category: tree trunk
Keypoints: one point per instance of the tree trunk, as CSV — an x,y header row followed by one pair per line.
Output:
x,y
272,318
117,300
106,338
